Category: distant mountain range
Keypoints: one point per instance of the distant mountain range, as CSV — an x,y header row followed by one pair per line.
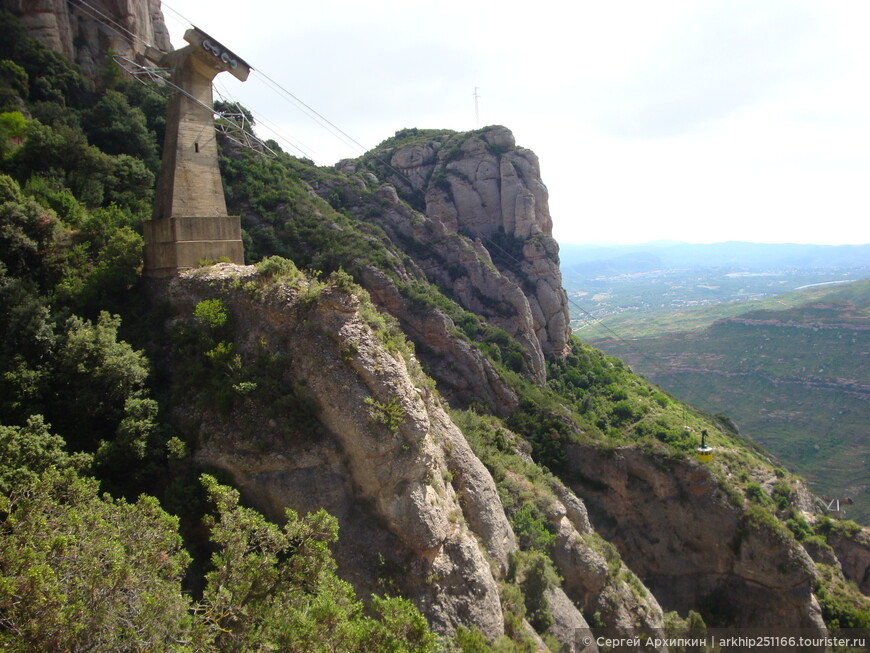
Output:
x,y
668,255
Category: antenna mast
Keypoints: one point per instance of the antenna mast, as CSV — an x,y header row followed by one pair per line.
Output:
x,y
476,108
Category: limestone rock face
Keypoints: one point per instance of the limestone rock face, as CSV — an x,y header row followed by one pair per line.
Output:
x,y
690,545
397,473
595,578
462,372
853,554
568,626
418,512
85,33
482,185
465,267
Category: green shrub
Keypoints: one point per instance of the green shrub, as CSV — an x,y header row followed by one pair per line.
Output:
x,y
28,451
279,269
211,314
756,493
10,191
758,519
343,281
534,573
843,606
843,527
513,608
532,529
94,369
799,526
278,585
50,192
390,414
781,493
625,411
81,568
661,399
118,128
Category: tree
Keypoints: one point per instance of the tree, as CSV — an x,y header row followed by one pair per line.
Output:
x,y
13,127
130,184
26,232
14,77
276,588
117,128
105,281
94,376
28,451
27,339
84,572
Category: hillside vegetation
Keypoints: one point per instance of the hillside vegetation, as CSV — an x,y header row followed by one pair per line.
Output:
x,y
167,450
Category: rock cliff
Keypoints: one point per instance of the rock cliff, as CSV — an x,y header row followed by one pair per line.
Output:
x,y
85,32
694,544
344,419
482,185
852,551
380,462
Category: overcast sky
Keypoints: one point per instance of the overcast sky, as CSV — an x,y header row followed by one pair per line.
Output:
x,y
696,120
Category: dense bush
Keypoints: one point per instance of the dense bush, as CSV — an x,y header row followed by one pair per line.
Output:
x,y
82,571
115,127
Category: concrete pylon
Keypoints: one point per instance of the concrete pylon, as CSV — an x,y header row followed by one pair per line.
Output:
x,y
190,222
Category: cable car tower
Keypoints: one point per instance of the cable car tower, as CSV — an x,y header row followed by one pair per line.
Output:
x,y
190,222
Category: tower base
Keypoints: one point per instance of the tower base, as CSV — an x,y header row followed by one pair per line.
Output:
x,y
183,242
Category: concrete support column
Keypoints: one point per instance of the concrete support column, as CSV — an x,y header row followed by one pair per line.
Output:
x,y
190,222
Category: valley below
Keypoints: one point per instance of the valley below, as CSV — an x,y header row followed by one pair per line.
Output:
x,y
782,353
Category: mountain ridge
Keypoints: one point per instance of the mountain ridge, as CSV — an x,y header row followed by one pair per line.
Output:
x,y
732,254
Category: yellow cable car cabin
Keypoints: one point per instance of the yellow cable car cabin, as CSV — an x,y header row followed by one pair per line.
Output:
x,y
704,453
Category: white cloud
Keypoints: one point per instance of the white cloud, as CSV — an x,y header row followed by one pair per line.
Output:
x,y
703,121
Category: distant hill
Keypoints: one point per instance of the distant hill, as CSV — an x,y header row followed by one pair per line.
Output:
x,y
794,378
632,324
649,289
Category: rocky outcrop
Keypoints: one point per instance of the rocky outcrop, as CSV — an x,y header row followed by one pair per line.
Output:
x,y
380,464
853,554
692,546
600,584
418,512
482,185
594,575
568,627
463,373
85,32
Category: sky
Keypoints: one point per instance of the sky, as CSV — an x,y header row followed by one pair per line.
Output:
x,y
698,120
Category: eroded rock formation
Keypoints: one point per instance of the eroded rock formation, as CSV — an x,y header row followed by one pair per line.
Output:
x,y
482,185
691,544
853,555
389,463
418,511
85,32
